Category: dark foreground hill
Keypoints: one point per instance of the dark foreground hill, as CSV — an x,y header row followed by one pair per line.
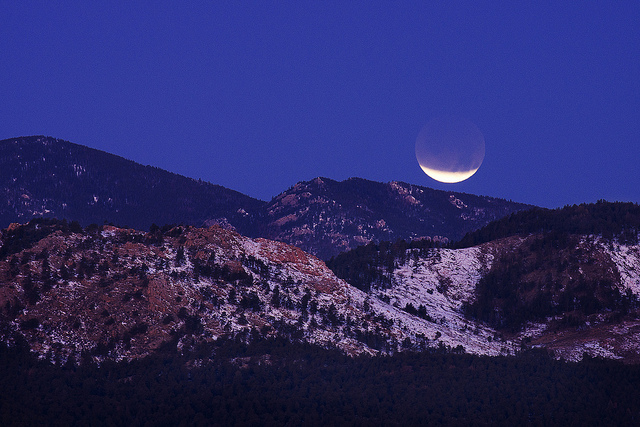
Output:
x,y
276,383
43,176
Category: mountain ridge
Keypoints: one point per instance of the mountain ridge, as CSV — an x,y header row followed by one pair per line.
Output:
x,y
44,176
122,294
111,293
326,217
565,292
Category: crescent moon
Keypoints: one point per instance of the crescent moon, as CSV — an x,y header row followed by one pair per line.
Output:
x,y
448,176
450,149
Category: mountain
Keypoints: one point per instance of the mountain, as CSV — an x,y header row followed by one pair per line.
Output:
x,y
118,293
105,292
566,280
570,287
202,323
43,176
609,219
326,217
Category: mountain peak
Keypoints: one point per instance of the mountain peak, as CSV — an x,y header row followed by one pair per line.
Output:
x,y
47,177
334,216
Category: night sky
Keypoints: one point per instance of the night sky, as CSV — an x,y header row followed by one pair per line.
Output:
x,y
259,96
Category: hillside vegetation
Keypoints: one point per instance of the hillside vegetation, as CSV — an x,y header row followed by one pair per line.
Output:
x,y
278,383
609,219
562,264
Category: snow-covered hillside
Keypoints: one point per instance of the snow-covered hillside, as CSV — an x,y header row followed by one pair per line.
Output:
x,y
107,292
441,282
119,293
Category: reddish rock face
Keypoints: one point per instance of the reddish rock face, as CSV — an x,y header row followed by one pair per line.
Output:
x,y
113,293
119,293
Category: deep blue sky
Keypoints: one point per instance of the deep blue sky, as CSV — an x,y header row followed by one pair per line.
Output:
x,y
257,97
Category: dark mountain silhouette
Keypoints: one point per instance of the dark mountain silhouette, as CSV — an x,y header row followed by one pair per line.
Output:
x,y
609,219
43,176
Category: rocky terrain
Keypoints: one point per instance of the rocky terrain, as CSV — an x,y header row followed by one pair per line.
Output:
x,y
111,293
567,280
326,217
47,177
589,307
107,292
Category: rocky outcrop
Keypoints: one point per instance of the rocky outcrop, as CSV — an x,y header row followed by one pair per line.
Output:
x,y
108,292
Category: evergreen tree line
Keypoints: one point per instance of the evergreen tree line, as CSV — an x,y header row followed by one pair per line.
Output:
x,y
610,219
371,265
273,382
549,274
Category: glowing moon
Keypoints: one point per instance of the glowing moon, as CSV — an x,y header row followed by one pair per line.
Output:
x,y
450,149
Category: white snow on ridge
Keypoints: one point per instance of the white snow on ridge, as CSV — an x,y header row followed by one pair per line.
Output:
x,y
239,298
627,259
442,281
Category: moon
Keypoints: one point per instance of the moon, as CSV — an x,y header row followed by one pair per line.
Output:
x,y
450,149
